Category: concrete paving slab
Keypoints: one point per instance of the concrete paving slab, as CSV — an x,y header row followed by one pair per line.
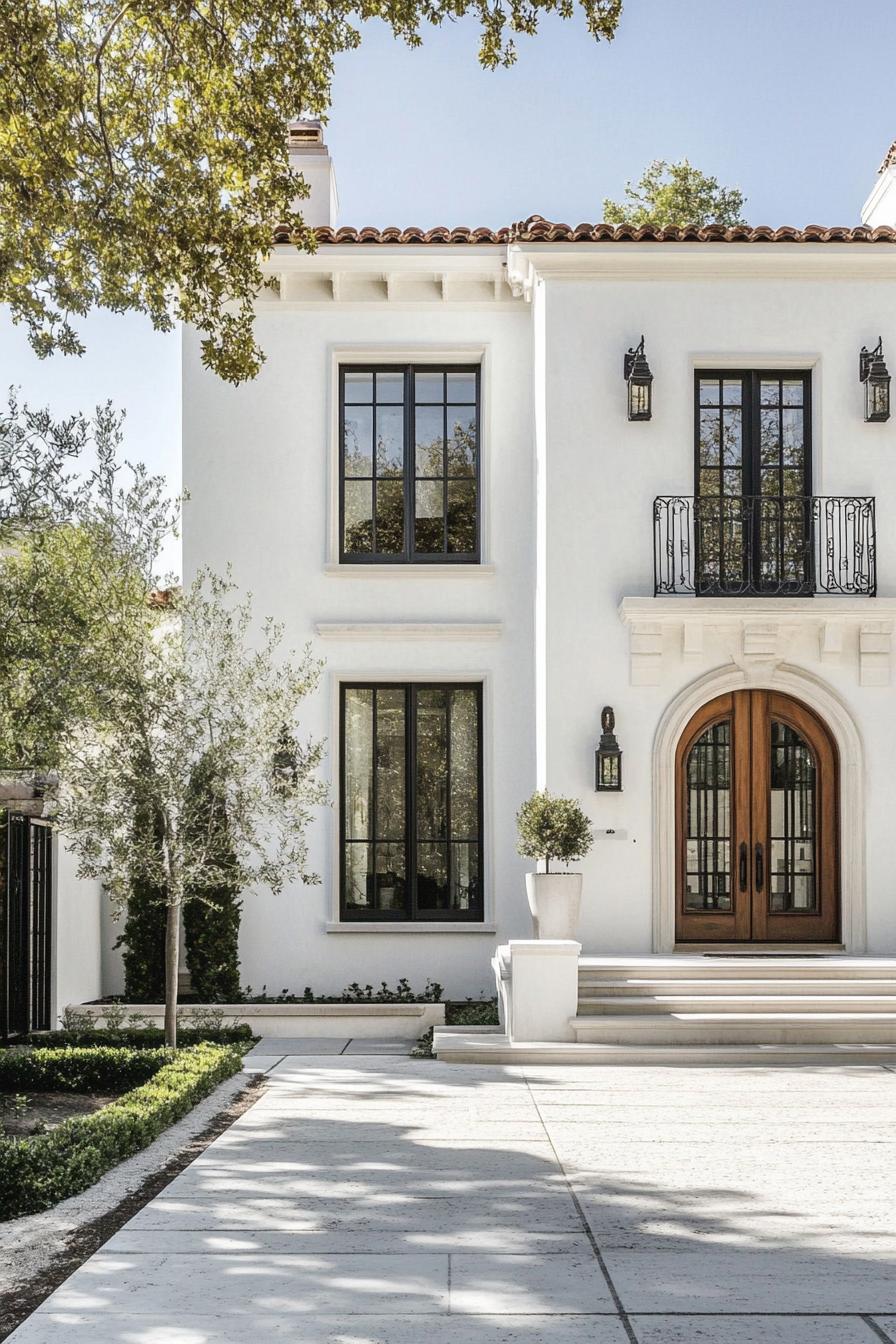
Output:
x,y
572,1284
375,1045
246,1285
468,1216
744,1281
751,1330
362,1196
164,1328
300,1045
349,1238
253,1063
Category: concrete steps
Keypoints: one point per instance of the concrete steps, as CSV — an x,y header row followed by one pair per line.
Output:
x,y
458,1045
703,1009
780,1002
736,1000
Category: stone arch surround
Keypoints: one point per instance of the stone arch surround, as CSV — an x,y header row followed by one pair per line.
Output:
x,y
817,695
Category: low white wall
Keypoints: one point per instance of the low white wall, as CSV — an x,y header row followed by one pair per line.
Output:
x,y
77,951
403,1021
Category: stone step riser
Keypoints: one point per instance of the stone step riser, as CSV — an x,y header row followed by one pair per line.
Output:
x,y
765,988
736,974
669,1056
673,1031
648,1005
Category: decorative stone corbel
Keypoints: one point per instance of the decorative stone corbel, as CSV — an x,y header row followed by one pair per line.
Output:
x,y
875,646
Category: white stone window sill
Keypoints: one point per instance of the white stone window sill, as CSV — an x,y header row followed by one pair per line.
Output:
x,y
408,926
336,571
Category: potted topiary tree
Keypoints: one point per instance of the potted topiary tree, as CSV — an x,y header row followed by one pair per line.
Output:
x,y
553,829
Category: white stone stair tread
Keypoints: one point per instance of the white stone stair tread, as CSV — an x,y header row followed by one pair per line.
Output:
x,y
694,1003
494,1047
765,987
808,1017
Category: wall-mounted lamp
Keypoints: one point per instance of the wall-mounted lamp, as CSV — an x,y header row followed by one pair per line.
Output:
x,y
638,377
608,757
874,373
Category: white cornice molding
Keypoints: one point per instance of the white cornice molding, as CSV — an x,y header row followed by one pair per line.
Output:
x,y
398,631
690,261
760,631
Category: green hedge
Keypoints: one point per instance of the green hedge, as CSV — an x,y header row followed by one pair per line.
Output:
x,y
95,1068
37,1173
143,1037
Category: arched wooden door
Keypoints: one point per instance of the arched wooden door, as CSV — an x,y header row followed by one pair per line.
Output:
x,y
756,805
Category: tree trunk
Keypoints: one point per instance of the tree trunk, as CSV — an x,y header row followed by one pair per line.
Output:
x,y
172,962
174,884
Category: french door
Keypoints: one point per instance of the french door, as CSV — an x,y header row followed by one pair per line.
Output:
x,y
753,483
756,823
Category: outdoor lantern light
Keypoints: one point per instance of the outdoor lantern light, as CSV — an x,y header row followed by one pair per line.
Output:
x,y
874,373
636,372
608,757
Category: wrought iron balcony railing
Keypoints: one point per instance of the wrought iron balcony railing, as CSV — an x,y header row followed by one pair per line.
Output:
x,y
764,545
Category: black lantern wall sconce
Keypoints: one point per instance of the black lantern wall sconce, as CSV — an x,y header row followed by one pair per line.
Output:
x,y
874,373
638,377
608,757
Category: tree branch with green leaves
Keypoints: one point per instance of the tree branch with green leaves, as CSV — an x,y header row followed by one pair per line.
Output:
x,y
143,157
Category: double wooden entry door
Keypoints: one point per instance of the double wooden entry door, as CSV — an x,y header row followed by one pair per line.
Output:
x,y
756,823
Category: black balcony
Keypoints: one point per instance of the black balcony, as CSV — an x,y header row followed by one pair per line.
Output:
x,y
764,545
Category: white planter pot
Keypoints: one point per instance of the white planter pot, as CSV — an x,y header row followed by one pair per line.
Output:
x,y
554,899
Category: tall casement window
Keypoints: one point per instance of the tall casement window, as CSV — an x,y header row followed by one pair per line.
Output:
x,y
409,467
753,468
411,801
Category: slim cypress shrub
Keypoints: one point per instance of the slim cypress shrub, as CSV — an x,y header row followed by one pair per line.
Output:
x,y
143,938
212,913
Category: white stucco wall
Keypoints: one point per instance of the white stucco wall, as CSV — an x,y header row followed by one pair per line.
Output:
x,y
601,474
258,465
568,489
77,934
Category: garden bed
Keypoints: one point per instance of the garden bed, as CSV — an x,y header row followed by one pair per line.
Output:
x,y
151,1089
404,1021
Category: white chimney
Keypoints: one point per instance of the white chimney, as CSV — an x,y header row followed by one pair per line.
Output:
x,y
880,207
309,156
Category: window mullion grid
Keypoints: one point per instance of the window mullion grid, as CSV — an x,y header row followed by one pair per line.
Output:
x,y
411,797
444,463
373,474
373,826
410,463
449,829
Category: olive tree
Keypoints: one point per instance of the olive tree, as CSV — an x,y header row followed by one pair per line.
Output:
x,y
128,688
198,684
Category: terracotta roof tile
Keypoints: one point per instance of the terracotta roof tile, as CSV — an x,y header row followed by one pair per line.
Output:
x,y
535,229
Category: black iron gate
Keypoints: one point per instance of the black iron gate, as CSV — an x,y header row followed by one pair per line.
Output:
x,y
26,905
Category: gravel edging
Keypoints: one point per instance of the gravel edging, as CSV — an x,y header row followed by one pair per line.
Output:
x,y
40,1251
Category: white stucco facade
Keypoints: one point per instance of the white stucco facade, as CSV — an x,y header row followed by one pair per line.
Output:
x,y
559,618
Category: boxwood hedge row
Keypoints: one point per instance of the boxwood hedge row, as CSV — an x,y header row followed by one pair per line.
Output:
x,y
144,1036
35,1173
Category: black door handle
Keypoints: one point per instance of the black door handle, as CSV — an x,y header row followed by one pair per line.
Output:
x,y
759,872
743,865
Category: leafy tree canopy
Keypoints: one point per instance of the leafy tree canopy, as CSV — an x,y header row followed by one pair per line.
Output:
x,y
675,195
142,148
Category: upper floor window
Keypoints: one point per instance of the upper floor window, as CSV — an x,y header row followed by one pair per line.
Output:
x,y
409,463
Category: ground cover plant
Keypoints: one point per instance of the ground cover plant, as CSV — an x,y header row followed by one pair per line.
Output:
x,y
353,993
469,1013
156,1087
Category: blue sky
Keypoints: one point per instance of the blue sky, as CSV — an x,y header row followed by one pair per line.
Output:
x,y
794,101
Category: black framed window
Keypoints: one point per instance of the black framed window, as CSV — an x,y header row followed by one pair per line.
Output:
x,y
753,481
411,801
409,478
